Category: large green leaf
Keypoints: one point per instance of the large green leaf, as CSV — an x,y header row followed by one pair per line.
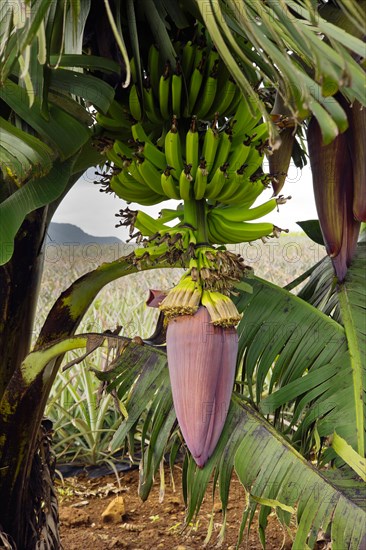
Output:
x,y
308,68
36,193
274,473
21,154
352,301
86,86
290,352
61,130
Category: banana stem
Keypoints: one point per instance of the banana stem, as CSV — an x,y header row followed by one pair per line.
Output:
x,y
190,213
201,223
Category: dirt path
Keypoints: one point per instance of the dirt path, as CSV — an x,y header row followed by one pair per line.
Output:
x,y
151,524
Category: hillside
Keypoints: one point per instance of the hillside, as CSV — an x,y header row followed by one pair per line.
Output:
x,y
66,233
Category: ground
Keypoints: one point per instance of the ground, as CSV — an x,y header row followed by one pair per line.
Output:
x,y
151,524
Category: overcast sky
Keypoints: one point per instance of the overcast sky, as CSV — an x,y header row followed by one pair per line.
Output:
x,y
94,212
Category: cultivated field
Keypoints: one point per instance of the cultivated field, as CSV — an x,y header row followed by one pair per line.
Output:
x,y
123,301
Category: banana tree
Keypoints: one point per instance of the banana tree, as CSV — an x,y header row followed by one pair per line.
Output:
x,y
47,133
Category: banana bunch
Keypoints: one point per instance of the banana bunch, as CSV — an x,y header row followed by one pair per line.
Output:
x,y
198,84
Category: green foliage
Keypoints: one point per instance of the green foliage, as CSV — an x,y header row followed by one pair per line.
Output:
x,y
84,417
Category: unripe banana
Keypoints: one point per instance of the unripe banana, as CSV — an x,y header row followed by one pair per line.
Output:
x,y
240,214
150,106
134,103
153,154
142,196
177,85
244,119
239,156
247,192
195,85
200,181
222,152
208,94
234,233
224,98
119,113
173,150
188,56
164,92
232,184
154,65
192,146
135,172
185,181
218,180
149,225
151,176
169,186
210,144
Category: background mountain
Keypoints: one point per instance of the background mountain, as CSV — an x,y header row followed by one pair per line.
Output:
x,y
66,233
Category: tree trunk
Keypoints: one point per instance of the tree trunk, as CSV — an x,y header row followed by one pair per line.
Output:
x,y
19,286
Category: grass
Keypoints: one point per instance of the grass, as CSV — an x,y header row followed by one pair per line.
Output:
x,y
83,425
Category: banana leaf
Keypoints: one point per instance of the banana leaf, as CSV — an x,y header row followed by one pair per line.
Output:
x,y
295,358
274,474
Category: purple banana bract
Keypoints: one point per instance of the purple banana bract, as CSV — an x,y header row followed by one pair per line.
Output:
x,y
202,361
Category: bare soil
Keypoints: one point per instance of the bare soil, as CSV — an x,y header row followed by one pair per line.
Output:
x,y
156,523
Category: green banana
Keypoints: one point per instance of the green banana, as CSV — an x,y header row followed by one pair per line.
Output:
x,y
185,181
151,176
253,162
154,68
200,182
213,60
245,121
119,113
208,94
177,85
246,194
139,133
210,144
134,103
224,98
113,124
154,155
234,233
259,134
188,56
150,106
195,85
192,146
240,214
217,182
133,195
164,91
239,156
173,150
130,183
147,148
135,172
122,150
149,224
112,156
232,184
168,214
169,186
222,151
